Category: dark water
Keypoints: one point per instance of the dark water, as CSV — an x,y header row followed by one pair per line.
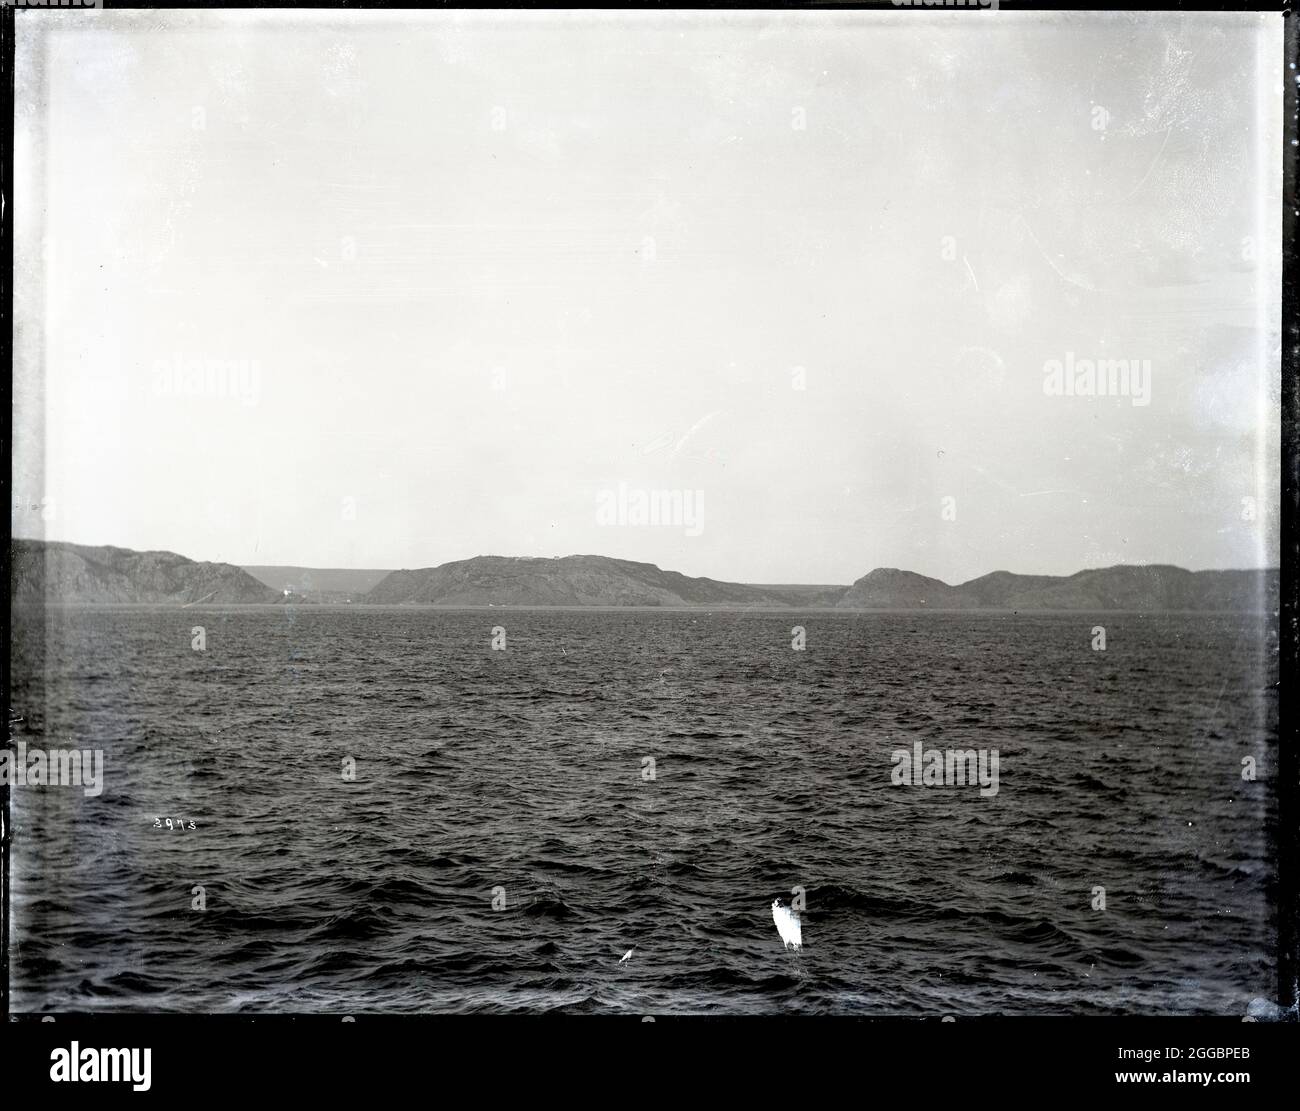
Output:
x,y
480,769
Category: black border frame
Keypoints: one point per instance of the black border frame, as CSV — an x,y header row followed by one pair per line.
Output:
x,y
201,1049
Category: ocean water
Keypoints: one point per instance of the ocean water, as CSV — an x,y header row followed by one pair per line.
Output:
x,y
521,775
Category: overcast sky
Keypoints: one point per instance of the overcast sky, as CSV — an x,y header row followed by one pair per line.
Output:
x,y
469,272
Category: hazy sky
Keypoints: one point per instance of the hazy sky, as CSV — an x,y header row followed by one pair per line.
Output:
x,y
470,271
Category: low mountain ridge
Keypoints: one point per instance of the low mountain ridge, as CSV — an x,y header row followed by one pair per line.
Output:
x,y
892,588
576,580
1157,587
57,571
54,571
1150,588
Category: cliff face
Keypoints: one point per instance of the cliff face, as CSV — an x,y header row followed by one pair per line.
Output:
x,y
52,571
580,580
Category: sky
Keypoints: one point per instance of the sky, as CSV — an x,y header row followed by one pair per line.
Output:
x,y
390,289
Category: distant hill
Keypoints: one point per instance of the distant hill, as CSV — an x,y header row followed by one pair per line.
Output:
x,y
61,572
53,571
591,580
577,580
318,584
1002,589
1152,588
890,588
803,594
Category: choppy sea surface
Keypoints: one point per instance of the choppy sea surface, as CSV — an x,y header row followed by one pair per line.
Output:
x,y
520,778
